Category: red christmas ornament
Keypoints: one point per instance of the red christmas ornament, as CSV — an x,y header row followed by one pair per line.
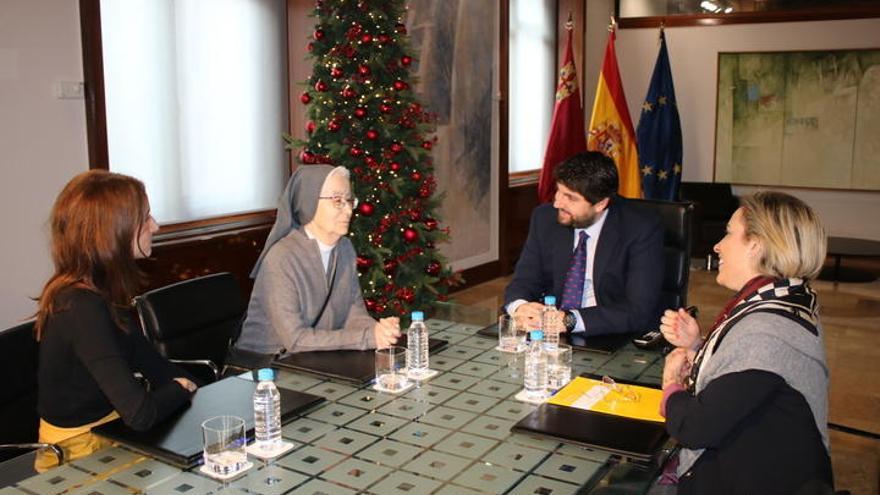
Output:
x,y
415,108
407,123
389,267
366,209
395,166
364,70
407,295
372,134
336,72
348,92
415,215
310,46
385,108
424,192
370,304
427,145
400,28
384,39
355,151
400,85
363,262
307,157
371,162
396,147
360,112
430,224
366,38
333,125
410,235
433,268
318,34
310,127
415,176
320,86
406,60
305,98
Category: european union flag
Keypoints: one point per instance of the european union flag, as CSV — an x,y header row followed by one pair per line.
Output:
x,y
659,134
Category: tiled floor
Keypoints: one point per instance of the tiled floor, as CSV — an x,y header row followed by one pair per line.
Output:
x,y
851,321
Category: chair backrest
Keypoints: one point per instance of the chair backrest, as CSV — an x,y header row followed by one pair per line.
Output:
x,y
677,219
714,203
19,354
193,319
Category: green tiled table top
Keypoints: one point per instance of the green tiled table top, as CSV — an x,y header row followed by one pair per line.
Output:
x,y
450,435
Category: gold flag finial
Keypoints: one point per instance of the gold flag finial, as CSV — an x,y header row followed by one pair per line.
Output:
x,y
569,24
612,25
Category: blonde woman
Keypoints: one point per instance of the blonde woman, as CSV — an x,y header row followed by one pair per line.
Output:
x,y
749,403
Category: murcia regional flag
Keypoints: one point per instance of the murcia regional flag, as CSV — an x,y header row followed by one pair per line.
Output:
x,y
611,129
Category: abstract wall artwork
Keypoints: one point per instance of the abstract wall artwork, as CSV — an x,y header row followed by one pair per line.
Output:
x,y
456,47
799,119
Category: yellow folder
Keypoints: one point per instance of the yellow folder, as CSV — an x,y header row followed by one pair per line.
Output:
x,y
629,401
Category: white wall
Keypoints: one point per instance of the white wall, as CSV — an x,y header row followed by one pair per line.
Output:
x,y
693,53
42,139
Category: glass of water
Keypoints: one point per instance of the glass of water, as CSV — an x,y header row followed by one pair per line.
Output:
x,y
511,334
224,441
391,369
558,366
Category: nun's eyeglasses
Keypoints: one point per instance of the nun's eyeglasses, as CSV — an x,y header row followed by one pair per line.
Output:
x,y
339,202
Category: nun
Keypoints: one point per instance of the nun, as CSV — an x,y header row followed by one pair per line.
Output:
x,y
306,293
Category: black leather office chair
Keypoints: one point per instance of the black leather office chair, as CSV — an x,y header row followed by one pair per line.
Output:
x,y
19,420
193,322
677,220
714,203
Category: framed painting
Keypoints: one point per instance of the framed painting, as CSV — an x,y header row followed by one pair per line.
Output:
x,y
456,46
799,119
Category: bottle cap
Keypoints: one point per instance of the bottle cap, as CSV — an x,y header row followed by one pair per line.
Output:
x,y
550,300
265,374
536,335
418,316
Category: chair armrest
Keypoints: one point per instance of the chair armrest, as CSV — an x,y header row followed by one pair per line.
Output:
x,y
59,454
231,368
200,362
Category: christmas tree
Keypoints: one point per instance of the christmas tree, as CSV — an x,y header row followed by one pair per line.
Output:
x,y
364,115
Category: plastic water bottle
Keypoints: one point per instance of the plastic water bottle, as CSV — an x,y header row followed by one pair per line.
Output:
x,y
267,411
417,346
550,322
536,367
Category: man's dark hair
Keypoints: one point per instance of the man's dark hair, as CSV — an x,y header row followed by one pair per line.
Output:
x,y
590,174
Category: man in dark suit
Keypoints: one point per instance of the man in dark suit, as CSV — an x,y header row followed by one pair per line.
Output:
x,y
600,255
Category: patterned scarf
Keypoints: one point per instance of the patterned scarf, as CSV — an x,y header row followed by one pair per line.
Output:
x,y
792,298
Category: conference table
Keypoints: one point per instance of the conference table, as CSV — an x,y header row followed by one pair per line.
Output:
x,y
450,435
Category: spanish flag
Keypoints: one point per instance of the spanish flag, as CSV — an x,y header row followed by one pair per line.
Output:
x,y
567,130
611,130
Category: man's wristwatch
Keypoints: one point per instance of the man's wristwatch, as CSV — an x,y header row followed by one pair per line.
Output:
x,y
570,321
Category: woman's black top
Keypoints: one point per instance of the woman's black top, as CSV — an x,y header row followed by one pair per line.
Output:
x,y
87,367
759,434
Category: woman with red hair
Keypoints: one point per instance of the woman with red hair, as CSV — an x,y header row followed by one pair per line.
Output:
x,y
90,349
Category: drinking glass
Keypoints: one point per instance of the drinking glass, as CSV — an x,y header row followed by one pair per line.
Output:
x,y
391,369
558,366
224,441
511,334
